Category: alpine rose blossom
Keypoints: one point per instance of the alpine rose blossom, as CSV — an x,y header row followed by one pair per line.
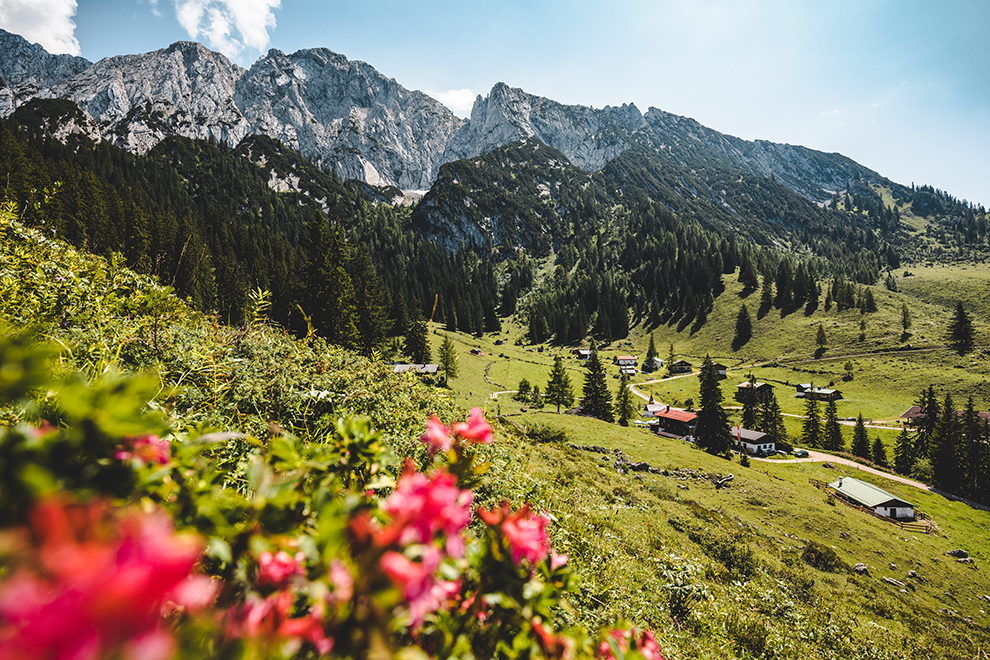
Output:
x,y
96,582
147,449
525,532
421,507
476,429
279,568
422,591
436,437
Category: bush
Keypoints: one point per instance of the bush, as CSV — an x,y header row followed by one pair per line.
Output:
x,y
822,557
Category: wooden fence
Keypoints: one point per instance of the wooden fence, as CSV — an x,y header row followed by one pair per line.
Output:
x,y
921,523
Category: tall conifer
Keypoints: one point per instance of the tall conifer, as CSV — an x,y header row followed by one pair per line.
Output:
x,y
712,431
597,399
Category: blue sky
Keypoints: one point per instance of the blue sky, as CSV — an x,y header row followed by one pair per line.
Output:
x,y
901,86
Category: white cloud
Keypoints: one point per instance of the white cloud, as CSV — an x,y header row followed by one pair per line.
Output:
x,y
230,26
46,22
460,101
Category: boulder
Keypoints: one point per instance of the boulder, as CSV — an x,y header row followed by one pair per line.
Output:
x,y
960,554
861,569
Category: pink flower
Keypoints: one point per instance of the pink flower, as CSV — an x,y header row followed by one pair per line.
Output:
x,y
97,583
645,643
421,507
436,436
525,532
556,561
476,429
421,590
343,583
279,568
147,449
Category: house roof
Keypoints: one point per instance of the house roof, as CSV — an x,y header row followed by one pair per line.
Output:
x,y
682,362
747,384
627,357
677,415
915,412
418,368
865,493
748,435
719,366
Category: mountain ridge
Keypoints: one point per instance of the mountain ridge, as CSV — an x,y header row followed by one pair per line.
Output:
x,y
348,117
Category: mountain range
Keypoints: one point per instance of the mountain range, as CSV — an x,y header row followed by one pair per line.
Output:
x,y
346,116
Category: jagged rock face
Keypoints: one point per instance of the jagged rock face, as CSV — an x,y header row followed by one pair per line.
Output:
x,y
27,68
347,116
811,174
588,137
139,100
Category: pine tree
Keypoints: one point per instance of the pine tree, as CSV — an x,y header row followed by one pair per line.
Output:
x,y
651,355
771,420
744,328
448,359
559,391
925,424
905,319
960,329
820,339
861,441
623,402
712,424
833,430
973,454
879,452
329,295
811,430
417,345
766,296
371,302
903,452
670,360
945,445
597,400
750,406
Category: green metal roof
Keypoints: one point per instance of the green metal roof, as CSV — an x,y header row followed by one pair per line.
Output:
x,y
864,493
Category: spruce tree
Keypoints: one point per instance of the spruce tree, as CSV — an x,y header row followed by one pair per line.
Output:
x,y
329,294
559,391
651,356
811,430
925,424
903,452
771,420
371,303
945,445
712,424
750,406
861,441
821,341
744,328
766,296
905,319
597,400
417,345
833,430
879,452
670,360
623,402
973,450
448,359
960,329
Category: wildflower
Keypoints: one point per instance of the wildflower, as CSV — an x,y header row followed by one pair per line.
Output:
x,y
146,449
436,436
525,532
422,507
476,429
421,590
279,568
96,584
553,646
342,581
556,561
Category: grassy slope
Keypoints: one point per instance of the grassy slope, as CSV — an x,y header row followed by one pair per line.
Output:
x,y
637,551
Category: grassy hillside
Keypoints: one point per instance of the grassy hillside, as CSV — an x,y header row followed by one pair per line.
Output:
x,y
716,572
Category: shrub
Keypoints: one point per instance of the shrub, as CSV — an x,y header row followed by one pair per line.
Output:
x,y
822,557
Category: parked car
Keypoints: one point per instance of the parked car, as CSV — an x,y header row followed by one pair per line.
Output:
x,y
800,453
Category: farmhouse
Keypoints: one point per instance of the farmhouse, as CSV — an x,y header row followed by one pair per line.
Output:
x,y
753,442
676,423
582,353
809,391
680,367
720,369
871,497
763,390
916,413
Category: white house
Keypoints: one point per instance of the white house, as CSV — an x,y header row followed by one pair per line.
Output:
x,y
872,497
